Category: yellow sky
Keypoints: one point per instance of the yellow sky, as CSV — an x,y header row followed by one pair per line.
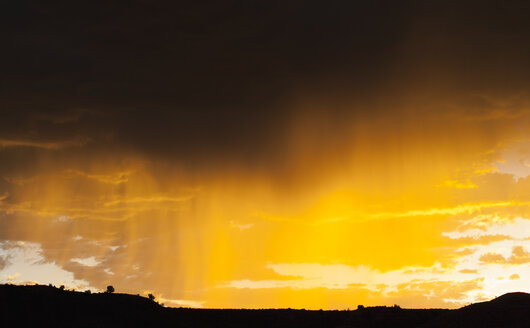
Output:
x,y
302,154
416,209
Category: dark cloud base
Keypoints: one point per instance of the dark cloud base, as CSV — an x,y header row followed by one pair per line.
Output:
x,y
221,79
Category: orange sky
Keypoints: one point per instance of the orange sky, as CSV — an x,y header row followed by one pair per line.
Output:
x,y
277,157
367,222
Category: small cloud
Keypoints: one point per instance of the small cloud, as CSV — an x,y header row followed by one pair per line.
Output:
x,y
113,178
491,226
515,160
108,271
4,261
179,303
149,200
486,170
519,256
359,285
29,282
62,218
514,276
47,145
492,258
241,226
4,196
457,184
88,261
468,271
113,248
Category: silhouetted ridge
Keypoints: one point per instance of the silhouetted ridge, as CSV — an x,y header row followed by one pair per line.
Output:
x,y
508,310
37,306
511,298
50,306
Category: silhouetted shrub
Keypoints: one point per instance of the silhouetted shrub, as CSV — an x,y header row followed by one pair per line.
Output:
x,y
110,289
151,297
88,291
62,287
360,307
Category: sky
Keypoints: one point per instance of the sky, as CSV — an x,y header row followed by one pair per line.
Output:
x,y
267,154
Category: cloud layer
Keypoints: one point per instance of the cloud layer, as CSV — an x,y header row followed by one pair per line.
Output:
x,y
276,154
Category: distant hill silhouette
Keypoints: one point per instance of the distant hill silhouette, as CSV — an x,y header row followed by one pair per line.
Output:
x,y
36,306
508,310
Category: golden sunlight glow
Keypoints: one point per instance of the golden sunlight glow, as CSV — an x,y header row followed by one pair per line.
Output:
x,y
418,226
236,154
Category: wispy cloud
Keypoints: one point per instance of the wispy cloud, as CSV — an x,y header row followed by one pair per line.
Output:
x,y
48,145
241,226
358,216
88,261
114,178
519,256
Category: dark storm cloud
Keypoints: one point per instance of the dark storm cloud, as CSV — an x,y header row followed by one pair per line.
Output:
x,y
197,80
177,75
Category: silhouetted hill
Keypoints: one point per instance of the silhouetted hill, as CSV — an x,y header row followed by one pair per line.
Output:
x,y
22,306
508,310
25,306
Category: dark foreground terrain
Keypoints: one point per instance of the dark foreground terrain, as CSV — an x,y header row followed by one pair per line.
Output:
x,y
36,306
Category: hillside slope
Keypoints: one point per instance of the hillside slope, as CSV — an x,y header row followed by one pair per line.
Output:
x,y
508,310
49,306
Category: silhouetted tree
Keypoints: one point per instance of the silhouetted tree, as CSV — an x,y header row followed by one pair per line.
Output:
x,y
110,289
360,307
151,297
62,287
